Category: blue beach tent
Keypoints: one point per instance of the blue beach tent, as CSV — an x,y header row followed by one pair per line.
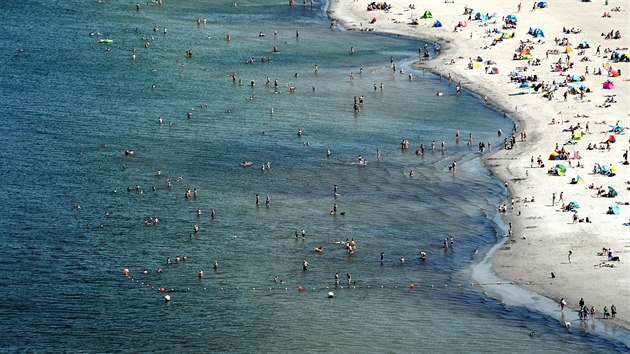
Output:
x,y
511,18
542,5
437,24
536,32
613,209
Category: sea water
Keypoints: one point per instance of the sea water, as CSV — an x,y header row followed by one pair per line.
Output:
x,y
71,107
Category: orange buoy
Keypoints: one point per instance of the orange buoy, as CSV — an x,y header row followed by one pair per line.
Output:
x,y
126,272
299,289
411,286
162,290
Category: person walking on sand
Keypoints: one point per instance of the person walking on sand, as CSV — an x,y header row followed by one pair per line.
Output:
x,y
553,199
570,253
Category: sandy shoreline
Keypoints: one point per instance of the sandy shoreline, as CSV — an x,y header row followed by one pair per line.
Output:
x,y
543,234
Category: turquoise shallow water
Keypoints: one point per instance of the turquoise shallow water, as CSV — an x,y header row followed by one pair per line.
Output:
x,y
63,93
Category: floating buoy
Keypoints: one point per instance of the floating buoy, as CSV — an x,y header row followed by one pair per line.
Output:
x,y
299,289
331,294
167,298
126,272
411,286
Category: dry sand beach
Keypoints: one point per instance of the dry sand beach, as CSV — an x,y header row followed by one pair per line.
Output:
x,y
543,234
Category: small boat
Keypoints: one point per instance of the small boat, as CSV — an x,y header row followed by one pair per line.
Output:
x,y
105,40
319,249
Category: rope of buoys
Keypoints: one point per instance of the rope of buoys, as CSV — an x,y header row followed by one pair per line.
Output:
x,y
300,289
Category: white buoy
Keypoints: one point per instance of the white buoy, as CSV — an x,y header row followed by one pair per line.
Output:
x,y
331,294
167,298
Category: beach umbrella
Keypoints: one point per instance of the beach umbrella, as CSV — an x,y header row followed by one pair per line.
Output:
x,y
525,84
608,85
613,209
542,5
511,18
554,156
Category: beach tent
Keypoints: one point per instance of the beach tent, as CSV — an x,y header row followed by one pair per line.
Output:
x,y
511,19
608,85
612,192
561,169
573,205
577,135
579,180
481,17
507,35
476,65
611,139
554,156
603,169
613,209
613,170
427,14
568,50
538,33
494,70
542,5
437,24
